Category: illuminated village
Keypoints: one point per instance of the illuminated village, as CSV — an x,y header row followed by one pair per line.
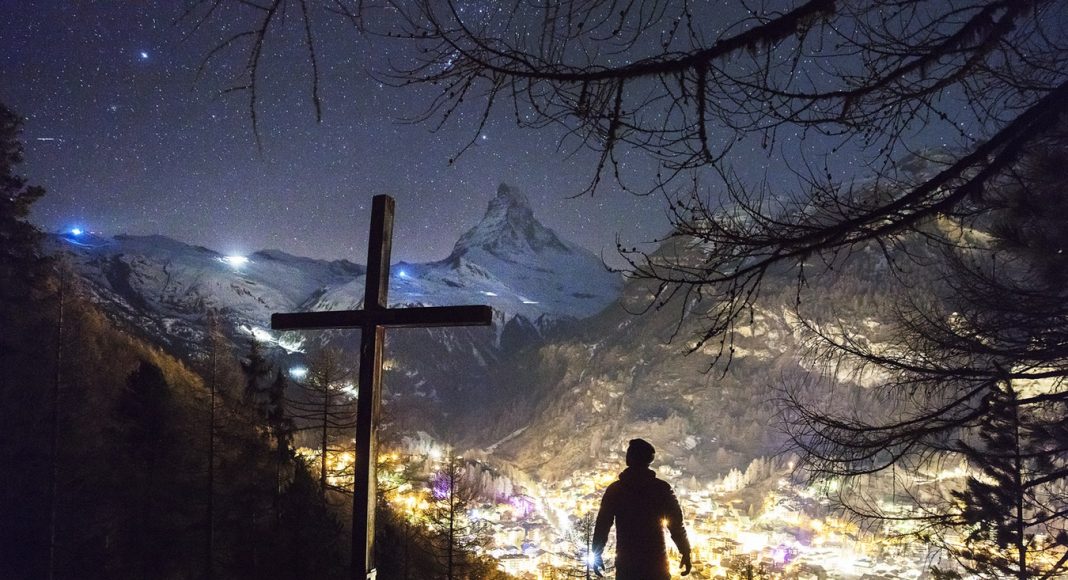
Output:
x,y
539,531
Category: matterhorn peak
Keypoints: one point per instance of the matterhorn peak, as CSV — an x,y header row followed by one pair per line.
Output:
x,y
510,196
509,230
510,206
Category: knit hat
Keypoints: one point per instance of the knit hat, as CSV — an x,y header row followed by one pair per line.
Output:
x,y
640,453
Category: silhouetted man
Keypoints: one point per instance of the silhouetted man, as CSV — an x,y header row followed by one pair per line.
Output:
x,y
640,504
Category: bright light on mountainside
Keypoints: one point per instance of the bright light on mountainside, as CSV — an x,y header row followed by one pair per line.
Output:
x,y
235,261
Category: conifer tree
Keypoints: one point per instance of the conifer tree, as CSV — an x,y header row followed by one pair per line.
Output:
x,y
324,407
143,440
401,535
256,368
30,438
24,269
280,429
311,544
582,537
278,420
1002,508
22,265
455,537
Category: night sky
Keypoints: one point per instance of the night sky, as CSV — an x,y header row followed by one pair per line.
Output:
x,y
125,141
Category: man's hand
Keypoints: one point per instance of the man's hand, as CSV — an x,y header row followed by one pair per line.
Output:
x,y
685,564
598,565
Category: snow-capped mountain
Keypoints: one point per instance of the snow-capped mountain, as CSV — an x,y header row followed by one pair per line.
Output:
x,y
539,267
510,261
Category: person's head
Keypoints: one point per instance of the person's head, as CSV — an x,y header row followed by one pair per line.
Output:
x,y
639,453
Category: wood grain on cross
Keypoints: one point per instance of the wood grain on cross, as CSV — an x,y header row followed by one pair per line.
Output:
x,y
372,322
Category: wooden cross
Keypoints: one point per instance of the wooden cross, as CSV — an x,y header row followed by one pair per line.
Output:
x,y
372,322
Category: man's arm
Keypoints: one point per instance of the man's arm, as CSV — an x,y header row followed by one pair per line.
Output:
x,y
605,516
673,513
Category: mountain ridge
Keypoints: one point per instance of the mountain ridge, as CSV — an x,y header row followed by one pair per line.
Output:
x,y
165,290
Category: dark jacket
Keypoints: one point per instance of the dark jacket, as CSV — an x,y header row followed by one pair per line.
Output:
x,y
640,505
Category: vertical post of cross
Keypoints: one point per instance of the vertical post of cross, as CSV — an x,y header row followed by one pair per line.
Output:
x,y
379,249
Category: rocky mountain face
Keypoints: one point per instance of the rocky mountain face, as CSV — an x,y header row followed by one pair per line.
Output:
x,y
573,401
578,398
549,272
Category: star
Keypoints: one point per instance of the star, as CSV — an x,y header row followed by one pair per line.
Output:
x,y
144,55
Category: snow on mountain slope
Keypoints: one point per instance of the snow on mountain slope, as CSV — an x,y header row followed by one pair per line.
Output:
x,y
510,261
165,288
533,261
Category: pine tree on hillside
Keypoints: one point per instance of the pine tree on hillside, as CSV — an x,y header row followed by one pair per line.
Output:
x,y
142,441
325,408
1010,534
24,270
29,437
278,420
455,538
401,546
256,368
312,540
398,542
22,265
280,429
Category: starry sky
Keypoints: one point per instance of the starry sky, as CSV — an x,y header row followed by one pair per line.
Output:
x,y
126,139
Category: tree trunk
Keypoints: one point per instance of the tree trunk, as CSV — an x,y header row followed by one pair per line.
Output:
x,y
53,474
322,446
452,520
1017,475
209,556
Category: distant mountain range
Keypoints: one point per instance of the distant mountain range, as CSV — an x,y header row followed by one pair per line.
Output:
x,y
535,281
565,376
509,260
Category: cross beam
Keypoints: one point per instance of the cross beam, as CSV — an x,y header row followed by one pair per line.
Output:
x,y
372,321
390,318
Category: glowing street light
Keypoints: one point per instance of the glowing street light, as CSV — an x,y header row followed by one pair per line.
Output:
x,y
298,372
